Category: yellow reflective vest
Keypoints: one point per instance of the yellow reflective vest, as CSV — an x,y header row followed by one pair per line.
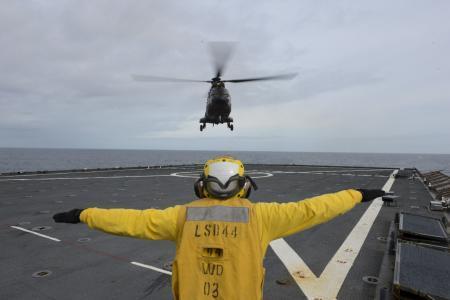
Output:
x,y
220,244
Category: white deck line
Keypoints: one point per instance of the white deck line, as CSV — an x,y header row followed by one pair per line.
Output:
x,y
197,174
35,233
151,268
76,172
330,171
329,283
57,240
89,171
84,178
178,174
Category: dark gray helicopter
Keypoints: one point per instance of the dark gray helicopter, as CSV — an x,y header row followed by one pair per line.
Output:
x,y
218,104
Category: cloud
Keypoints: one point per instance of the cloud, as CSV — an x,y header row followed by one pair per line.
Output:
x,y
366,73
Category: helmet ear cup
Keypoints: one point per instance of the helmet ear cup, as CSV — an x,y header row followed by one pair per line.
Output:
x,y
247,189
242,182
198,188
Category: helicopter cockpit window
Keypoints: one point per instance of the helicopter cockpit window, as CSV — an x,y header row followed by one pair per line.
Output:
x,y
216,91
219,92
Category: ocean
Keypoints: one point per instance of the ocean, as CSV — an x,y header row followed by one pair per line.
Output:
x,y
28,159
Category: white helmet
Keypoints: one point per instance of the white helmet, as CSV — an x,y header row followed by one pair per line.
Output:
x,y
223,177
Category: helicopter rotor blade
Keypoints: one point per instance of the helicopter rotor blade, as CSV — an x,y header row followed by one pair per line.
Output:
x,y
275,77
150,78
221,53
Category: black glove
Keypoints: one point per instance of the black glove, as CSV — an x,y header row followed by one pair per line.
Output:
x,y
369,195
71,216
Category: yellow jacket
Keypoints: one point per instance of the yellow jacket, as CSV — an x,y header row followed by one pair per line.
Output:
x,y
272,221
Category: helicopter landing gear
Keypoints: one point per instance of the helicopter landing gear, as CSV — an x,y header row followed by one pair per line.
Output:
x,y
202,126
230,126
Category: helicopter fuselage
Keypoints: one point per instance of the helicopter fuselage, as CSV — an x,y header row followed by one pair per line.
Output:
x,y
218,107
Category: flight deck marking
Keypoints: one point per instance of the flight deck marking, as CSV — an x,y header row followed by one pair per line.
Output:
x,y
35,233
331,171
186,174
84,178
336,173
151,268
328,284
98,252
90,171
196,174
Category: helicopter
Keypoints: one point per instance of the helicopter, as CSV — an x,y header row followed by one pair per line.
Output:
x,y
218,103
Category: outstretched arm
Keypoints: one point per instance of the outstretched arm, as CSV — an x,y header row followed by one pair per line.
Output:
x,y
151,224
283,219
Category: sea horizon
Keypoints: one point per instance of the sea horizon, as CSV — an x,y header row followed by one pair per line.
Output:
x,y
14,159
226,150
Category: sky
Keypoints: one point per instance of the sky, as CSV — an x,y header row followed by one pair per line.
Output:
x,y
373,76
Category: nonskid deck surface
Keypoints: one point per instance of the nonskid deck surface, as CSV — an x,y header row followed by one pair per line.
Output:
x,y
84,263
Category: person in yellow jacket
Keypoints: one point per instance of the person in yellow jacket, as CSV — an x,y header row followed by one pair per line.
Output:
x,y
221,238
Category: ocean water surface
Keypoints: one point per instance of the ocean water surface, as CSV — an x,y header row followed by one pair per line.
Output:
x,y
28,159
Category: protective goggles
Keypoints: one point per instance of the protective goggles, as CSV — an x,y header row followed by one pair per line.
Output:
x,y
231,181
233,185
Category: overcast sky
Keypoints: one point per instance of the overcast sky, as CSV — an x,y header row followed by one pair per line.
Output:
x,y
374,76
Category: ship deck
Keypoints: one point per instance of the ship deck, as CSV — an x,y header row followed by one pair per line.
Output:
x,y
73,262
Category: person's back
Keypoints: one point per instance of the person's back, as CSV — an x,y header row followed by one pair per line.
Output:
x,y
219,252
